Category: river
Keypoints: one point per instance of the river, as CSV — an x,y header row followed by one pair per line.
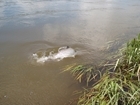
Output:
x,y
30,26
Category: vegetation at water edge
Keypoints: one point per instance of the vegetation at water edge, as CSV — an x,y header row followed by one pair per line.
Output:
x,y
115,85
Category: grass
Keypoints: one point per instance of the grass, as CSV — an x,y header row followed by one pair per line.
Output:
x,y
111,91
118,84
85,73
130,61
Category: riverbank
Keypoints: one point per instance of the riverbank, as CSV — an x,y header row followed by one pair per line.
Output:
x,y
112,84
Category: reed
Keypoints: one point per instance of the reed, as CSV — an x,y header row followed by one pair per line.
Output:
x,y
130,61
116,90
118,84
85,73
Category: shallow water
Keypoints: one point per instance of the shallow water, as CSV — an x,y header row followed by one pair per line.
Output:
x,y
28,26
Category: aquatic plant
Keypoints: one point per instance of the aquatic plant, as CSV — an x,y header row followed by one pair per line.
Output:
x,y
130,61
116,90
79,71
118,85
85,73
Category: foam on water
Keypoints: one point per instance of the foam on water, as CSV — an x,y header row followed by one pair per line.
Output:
x,y
63,52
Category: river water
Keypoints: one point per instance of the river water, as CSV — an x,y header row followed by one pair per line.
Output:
x,y
29,26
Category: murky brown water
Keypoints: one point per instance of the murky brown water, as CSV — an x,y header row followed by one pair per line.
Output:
x,y
27,26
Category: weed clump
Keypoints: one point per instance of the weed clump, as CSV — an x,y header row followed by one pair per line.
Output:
x,y
117,85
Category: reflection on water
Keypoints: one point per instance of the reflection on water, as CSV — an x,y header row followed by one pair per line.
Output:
x,y
28,26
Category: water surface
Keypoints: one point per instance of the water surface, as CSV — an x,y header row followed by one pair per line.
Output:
x,y
28,26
